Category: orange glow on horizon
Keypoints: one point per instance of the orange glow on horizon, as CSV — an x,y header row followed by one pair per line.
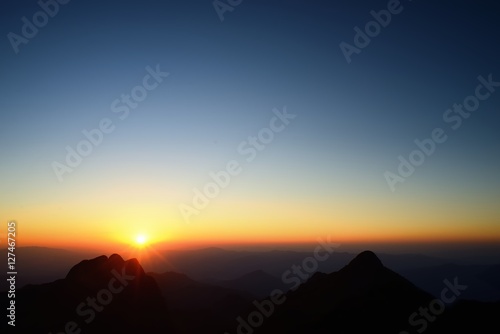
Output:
x,y
200,235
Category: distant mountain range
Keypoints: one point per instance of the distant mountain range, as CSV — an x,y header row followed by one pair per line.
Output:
x,y
483,281
110,295
42,265
258,283
258,273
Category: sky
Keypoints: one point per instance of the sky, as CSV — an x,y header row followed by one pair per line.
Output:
x,y
204,87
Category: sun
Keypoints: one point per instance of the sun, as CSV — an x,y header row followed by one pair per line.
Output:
x,y
141,240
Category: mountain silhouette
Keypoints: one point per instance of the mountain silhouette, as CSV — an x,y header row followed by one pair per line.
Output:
x,y
483,281
44,265
101,295
366,260
212,306
257,282
468,317
111,295
362,297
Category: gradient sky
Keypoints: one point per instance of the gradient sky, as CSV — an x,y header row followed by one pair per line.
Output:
x,y
323,175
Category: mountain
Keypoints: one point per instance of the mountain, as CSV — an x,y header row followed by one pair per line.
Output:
x,y
491,276
258,282
362,297
101,295
110,295
212,306
219,264
483,281
42,265
468,317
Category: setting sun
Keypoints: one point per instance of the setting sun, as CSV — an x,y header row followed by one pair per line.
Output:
x,y
141,240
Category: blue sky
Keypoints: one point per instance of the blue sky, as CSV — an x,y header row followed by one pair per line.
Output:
x,y
353,120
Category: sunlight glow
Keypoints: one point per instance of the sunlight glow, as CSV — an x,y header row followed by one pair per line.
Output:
x,y
141,240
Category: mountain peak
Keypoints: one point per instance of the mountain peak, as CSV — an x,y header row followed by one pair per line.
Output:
x,y
134,298
89,272
115,258
366,259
